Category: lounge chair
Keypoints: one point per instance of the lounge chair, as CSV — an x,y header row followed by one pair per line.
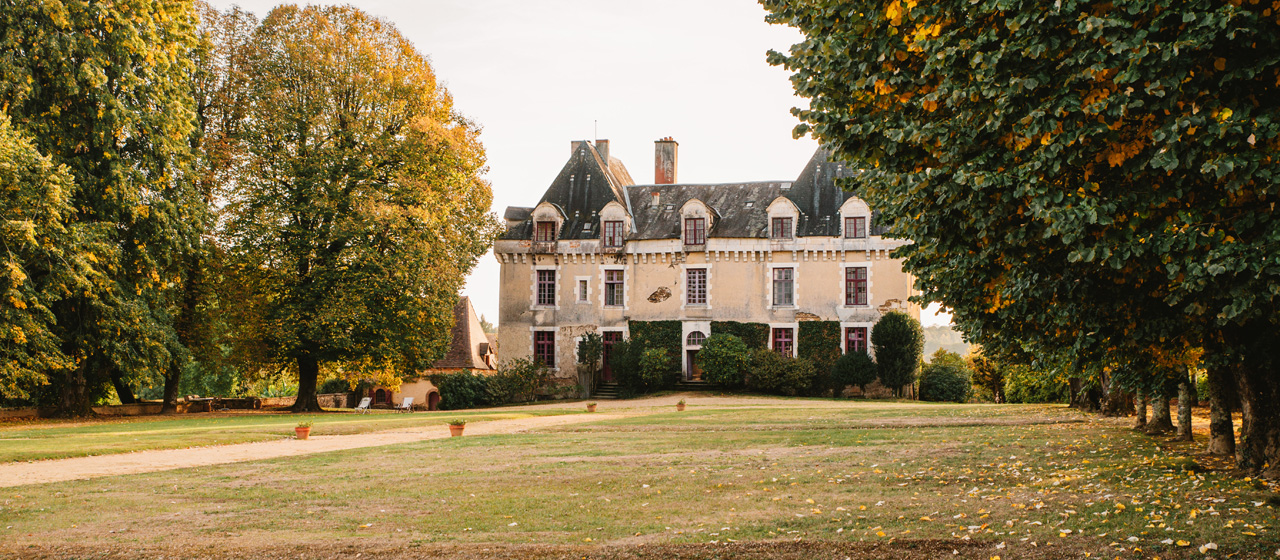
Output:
x,y
363,407
406,405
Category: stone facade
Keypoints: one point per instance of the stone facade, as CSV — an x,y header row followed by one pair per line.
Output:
x,y
598,251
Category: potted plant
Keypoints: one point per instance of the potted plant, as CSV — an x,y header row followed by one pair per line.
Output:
x,y
456,426
680,405
591,407
303,429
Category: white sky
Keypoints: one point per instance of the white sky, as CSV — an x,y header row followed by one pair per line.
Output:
x,y
538,74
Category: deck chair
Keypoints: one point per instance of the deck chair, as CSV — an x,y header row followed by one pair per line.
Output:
x,y
406,405
363,407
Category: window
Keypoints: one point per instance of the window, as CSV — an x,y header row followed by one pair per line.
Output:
x,y
544,348
695,231
545,232
855,339
546,287
695,338
855,228
781,229
784,286
783,342
855,285
613,234
696,286
582,291
613,288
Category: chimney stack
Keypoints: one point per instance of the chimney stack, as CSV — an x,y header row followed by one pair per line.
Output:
x,y
574,146
665,161
602,147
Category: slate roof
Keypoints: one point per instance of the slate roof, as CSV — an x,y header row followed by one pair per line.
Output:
x,y
742,208
463,351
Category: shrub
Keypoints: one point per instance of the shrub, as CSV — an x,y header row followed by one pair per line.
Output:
x,y
516,381
461,390
854,368
774,373
944,381
334,385
899,343
819,342
754,335
655,366
724,359
988,376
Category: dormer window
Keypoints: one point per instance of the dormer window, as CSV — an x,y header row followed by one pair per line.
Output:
x,y
544,232
781,228
613,234
695,231
855,227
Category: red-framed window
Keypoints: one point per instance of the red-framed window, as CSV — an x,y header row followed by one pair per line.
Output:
x,y
613,286
781,228
544,348
855,339
613,234
546,287
696,286
855,285
695,231
784,292
855,227
544,232
784,341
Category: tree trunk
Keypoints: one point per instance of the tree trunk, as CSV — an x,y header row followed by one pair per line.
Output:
x,y
1161,421
1222,436
171,380
1259,446
73,398
122,389
1184,409
1117,403
308,376
1140,406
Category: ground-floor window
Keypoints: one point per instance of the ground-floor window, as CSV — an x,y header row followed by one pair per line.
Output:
x,y
784,341
544,348
855,339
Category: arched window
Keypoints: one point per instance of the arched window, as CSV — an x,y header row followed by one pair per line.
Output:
x,y
695,338
381,397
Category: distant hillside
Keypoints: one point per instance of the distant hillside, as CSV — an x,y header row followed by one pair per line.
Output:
x,y
943,337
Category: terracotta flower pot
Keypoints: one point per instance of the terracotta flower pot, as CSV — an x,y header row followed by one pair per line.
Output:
x,y
455,431
303,433
680,407
591,408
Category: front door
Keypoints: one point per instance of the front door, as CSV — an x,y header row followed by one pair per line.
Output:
x,y
695,373
609,339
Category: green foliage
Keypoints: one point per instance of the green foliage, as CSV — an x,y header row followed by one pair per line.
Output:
x,y
944,380
899,342
655,368
516,381
771,372
723,360
854,368
102,90
461,390
754,335
359,208
1083,181
334,385
1024,384
988,375
624,362
819,342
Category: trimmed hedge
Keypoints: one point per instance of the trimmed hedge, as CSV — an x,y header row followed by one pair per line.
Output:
x,y
755,335
944,382
774,373
854,368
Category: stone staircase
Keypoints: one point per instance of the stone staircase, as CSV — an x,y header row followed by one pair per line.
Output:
x,y
606,390
683,385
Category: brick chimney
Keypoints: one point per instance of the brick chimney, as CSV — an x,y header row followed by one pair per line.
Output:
x,y
665,161
602,147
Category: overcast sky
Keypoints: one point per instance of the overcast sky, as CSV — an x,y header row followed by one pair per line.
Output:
x,y
536,75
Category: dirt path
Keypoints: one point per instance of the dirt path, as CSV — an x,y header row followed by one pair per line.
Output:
x,y
79,468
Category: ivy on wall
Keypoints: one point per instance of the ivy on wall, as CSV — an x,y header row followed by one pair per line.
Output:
x,y
755,335
819,342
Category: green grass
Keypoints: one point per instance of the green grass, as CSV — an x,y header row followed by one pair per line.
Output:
x,y
59,439
1027,480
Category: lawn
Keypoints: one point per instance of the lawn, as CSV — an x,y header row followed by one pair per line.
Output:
x,y
27,441
774,479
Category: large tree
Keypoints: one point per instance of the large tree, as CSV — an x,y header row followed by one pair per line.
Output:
x,y
358,209
1076,176
102,90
